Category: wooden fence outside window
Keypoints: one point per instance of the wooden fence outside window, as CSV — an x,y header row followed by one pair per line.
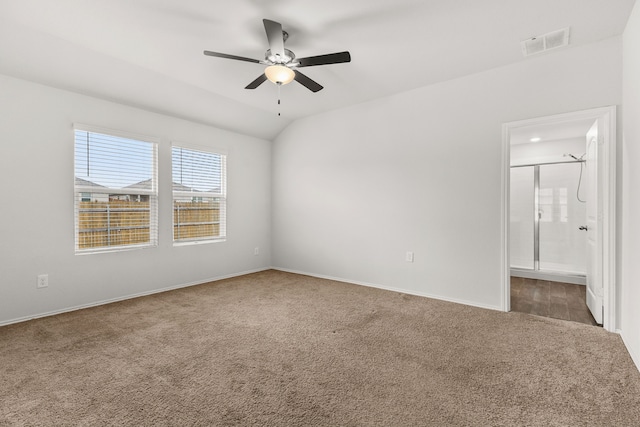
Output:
x,y
124,223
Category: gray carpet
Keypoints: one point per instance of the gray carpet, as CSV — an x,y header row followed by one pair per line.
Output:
x,y
281,349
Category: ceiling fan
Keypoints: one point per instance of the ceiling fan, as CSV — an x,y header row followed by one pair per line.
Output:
x,y
282,64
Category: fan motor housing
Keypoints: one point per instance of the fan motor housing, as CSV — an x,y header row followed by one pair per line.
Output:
x,y
277,59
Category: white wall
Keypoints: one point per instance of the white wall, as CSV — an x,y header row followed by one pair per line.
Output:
x,y
353,189
630,234
36,217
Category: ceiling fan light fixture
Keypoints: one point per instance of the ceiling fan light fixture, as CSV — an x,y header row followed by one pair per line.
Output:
x,y
282,65
279,74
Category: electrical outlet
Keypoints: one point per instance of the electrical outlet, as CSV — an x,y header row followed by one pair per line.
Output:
x,y
43,281
256,251
408,256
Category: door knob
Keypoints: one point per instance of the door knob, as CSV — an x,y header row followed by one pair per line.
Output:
x,y
582,227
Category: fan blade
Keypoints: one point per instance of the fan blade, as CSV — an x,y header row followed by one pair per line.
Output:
x,y
224,55
330,58
257,82
274,35
306,82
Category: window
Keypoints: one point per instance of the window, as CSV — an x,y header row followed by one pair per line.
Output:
x,y
115,191
199,195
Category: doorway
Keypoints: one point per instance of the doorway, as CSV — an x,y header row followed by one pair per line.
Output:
x,y
547,243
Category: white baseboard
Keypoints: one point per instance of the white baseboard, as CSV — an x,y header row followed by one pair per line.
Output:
x,y
391,288
126,297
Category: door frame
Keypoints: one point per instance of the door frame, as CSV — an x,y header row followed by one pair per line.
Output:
x,y
606,178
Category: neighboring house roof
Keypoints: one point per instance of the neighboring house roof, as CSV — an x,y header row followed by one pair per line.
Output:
x,y
86,183
146,185
142,185
181,187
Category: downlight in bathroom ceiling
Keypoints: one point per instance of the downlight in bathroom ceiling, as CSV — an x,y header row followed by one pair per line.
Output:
x,y
545,42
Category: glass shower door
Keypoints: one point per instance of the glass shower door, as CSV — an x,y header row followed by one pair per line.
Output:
x,y
562,244
522,221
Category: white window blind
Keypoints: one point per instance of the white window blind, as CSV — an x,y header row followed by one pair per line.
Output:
x,y
199,195
116,194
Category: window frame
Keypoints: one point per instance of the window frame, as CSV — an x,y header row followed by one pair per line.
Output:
x,y
80,191
222,195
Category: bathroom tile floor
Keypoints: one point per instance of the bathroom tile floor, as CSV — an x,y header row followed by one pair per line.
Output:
x,y
550,299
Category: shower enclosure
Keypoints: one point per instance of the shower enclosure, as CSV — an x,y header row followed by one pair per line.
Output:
x,y
548,218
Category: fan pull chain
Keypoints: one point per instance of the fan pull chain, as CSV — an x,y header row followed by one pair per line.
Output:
x,y
279,84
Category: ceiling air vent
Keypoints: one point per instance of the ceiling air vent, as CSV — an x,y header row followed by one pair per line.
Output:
x,y
545,42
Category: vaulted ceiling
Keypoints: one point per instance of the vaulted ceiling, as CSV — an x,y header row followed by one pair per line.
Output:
x,y
149,53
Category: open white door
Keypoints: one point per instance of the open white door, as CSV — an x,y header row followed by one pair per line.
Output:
x,y
595,288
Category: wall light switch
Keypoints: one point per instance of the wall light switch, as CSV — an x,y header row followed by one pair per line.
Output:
x,y
408,256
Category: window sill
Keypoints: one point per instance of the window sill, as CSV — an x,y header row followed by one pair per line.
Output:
x,y
198,242
113,249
